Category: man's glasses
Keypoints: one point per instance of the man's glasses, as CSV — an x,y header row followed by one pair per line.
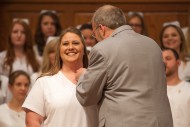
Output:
x,y
93,35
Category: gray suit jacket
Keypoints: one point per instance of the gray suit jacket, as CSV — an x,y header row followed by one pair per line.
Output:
x,y
126,78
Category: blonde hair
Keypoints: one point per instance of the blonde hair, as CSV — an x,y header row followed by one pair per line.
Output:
x,y
58,61
50,47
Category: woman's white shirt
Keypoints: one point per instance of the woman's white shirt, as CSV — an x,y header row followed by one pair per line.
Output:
x,y
184,71
11,118
54,97
3,88
18,64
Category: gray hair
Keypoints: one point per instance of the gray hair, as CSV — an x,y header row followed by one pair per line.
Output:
x,y
109,16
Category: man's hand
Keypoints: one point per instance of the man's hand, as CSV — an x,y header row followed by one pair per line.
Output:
x,y
79,73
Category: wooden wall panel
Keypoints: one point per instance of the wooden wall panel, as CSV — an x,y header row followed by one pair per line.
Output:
x,y
154,22
81,18
75,12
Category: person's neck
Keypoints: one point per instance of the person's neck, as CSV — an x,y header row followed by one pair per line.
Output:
x,y
70,71
173,80
15,105
108,32
19,51
71,67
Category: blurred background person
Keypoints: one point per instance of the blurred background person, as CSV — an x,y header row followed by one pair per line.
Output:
x,y
48,57
3,88
177,89
11,113
136,21
48,25
87,32
171,36
58,87
19,54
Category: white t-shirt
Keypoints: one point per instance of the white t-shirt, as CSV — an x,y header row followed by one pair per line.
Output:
x,y
3,88
184,71
18,64
54,97
11,118
179,98
34,77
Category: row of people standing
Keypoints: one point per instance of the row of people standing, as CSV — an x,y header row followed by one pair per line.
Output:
x,y
19,53
22,53
175,43
20,67
70,53
20,32
171,36
66,74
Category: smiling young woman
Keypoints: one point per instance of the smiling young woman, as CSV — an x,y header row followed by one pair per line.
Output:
x,y
58,86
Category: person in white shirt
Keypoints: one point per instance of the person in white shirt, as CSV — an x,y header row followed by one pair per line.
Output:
x,y
172,37
48,24
48,58
3,88
11,113
19,54
52,101
178,90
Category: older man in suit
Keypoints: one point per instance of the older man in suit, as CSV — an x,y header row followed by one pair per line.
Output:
x,y
126,75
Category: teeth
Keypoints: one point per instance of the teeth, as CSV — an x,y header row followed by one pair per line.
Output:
x,y
70,54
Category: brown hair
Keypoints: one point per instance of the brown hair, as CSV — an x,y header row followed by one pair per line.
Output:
x,y
28,49
183,47
15,74
39,36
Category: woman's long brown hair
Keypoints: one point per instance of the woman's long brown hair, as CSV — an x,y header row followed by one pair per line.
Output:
x,y
28,49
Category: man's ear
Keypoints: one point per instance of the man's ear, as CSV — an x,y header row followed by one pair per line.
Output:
x,y
178,62
102,29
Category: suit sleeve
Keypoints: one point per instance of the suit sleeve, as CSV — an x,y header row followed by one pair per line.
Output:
x,y
92,82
